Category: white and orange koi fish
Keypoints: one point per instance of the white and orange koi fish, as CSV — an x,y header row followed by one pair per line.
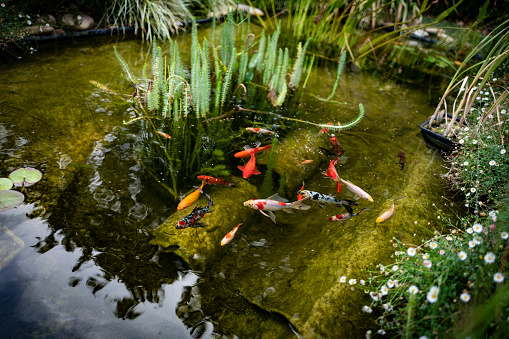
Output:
x,y
229,236
386,215
346,216
259,130
275,203
356,190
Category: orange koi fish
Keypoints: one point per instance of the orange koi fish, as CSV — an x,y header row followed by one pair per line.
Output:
x,y
245,153
300,196
191,198
215,181
275,203
164,134
325,129
250,168
336,145
259,130
306,162
333,174
229,236
386,215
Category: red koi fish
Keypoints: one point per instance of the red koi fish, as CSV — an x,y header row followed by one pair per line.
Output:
x,y
250,168
215,181
190,199
259,130
245,153
164,134
402,159
229,236
306,162
333,174
345,216
300,196
336,145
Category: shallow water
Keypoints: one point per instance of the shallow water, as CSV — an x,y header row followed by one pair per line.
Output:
x,y
77,257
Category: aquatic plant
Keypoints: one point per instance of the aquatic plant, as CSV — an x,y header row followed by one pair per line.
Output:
x,y
22,177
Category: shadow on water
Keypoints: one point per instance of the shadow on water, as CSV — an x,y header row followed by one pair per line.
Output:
x,y
82,261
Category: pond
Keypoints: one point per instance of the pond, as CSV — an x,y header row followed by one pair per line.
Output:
x,y
87,254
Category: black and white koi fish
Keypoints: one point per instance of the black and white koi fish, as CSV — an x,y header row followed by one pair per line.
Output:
x,y
322,199
345,216
191,220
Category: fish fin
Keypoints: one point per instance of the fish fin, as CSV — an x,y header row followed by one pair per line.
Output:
x,y
348,209
320,204
257,144
256,172
272,216
265,214
287,210
298,205
241,167
276,197
351,202
198,224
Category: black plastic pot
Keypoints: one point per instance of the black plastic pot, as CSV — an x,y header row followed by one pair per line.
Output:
x,y
437,140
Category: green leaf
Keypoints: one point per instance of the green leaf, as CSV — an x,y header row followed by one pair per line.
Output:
x,y
5,184
10,199
25,176
249,76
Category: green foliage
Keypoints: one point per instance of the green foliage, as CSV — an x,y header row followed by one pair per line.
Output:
x,y
299,63
338,76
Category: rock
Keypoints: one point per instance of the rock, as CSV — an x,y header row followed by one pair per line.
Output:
x,y
80,22
420,33
435,30
37,30
447,39
47,19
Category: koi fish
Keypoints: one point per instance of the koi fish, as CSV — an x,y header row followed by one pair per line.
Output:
x,y
259,130
322,199
250,168
190,199
333,174
299,196
402,159
229,236
345,216
215,181
336,145
356,190
275,203
325,129
191,220
306,162
386,215
164,134
245,153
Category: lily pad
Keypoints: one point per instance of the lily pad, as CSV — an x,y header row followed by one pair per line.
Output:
x,y
5,184
25,176
10,199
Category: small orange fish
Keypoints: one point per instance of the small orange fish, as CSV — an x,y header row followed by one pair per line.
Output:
x,y
306,162
215,181
325,129
259,130
190,199
300,196
336,145
331,171
229,236
250,168
164,134
245,153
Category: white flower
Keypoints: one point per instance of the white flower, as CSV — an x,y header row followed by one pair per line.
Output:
x,y
492,213
502,151
465,163
423,337
395,268
448,238
390,284
490,116
489,258
366,309
503,111
477,228
462,255
470,230
3,5
342,279
413,289
472,189
381,332
477,241
373,296
465,297
492,163
504,235
466,129
462,141
488,137
411,251
425,256
471,244
463,188
498,277
433,245
432,294
29,22
474,142
384,290
427,263
352,281
362,282
79,17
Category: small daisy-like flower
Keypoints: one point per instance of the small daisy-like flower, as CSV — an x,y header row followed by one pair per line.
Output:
x,y
427,263
352,281
395,268
471,244
381,332
362,282
29,22
503,111
461,141
477,240
502,151
492,163
433,245
3,5
489,258
463,188
465,163
390,284
79,17
474,142
432,294
342,279
441,252
384,290
425,256
373,296
411,251
413,289
466,129
504,235
470,230
498,277
472,189
366,309
492,213
465,297
490,116
462,255
477,228
448,238
489,137
47,25
20,15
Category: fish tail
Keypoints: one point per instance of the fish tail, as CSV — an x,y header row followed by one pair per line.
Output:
x,y
298,205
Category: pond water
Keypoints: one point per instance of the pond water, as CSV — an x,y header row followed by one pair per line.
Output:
x,y
85,255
